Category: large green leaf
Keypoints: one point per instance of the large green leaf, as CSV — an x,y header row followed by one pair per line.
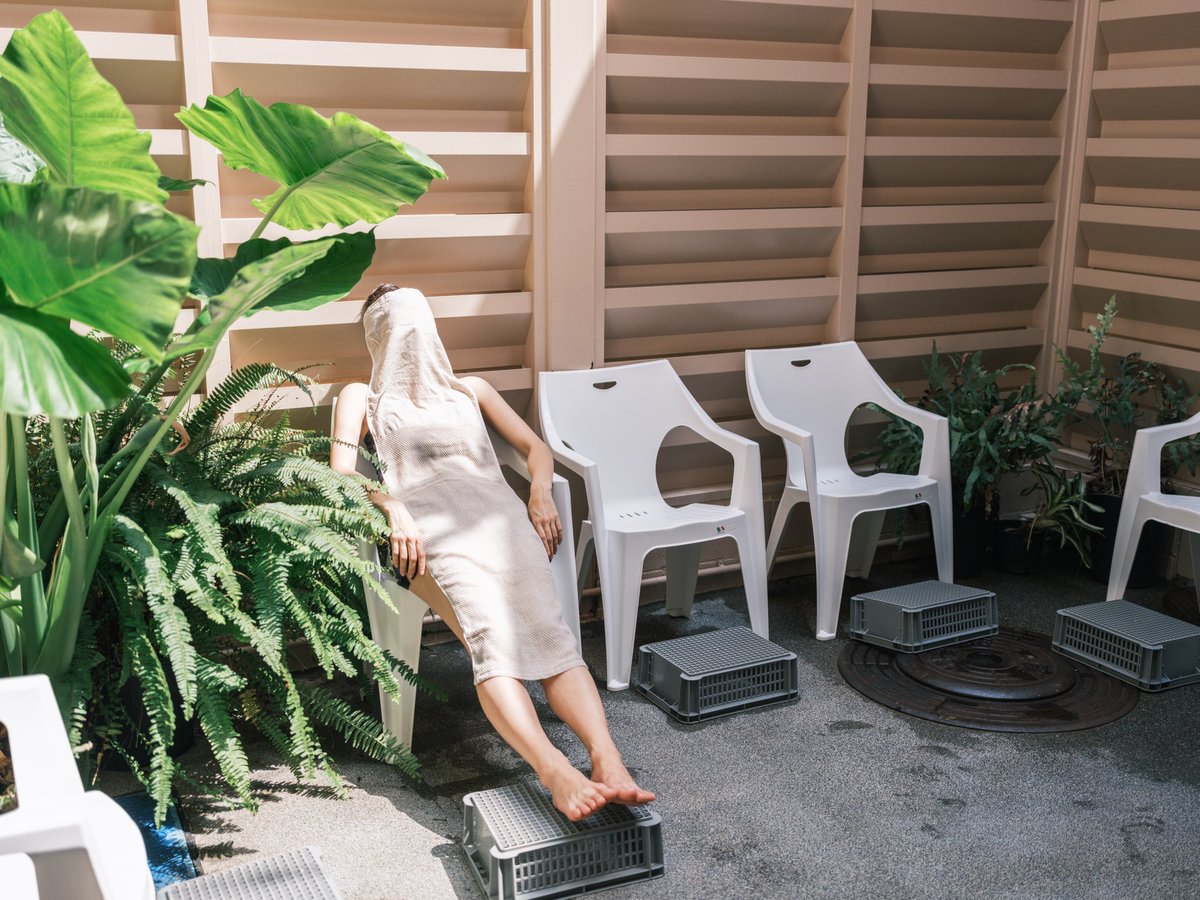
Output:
x,y
340,170
18,164
47,369
251,285
330,278
57,104
113,263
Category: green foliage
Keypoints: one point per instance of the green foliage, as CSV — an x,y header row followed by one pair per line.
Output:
x,y
228,552
116,264
1064,508
992,431
1109,404
340,170
199,567
330,278
18,164
56,104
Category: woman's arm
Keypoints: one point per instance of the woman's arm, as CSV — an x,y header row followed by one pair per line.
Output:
x,y
349,426
512,428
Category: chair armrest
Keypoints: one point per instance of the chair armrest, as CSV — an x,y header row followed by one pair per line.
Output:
x,y
1145,473
1158,436
507,455
935,432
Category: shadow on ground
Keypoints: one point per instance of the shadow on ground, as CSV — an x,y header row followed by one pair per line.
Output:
x,y
834,796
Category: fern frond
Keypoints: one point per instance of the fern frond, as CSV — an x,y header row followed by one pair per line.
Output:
x,y
361,731
174,633
212,709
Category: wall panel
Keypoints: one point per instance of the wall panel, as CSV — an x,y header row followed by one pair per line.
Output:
x,y
635,179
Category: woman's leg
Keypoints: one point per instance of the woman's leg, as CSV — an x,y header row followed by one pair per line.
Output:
x,y
507,705
573,697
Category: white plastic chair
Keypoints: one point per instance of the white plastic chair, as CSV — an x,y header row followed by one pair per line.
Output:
x,y
82,844
806,395
608,425
399,631
19,877
1145,500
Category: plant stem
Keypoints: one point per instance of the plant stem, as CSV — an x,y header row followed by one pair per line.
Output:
x,y
266,220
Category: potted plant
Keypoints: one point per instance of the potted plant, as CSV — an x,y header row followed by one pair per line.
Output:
x,y
1062,513
993,431
1107,404
86,423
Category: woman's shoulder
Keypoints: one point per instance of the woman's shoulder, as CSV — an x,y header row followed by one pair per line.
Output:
x,y
356,390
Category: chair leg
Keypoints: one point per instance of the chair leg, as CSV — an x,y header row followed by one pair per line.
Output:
x,y
1194,543
754,577
620,589
941,523
864,539
683,567
585,554
1129,530
782,512
400,634
837,526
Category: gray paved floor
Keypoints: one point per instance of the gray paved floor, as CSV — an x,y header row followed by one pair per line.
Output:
x,y
834,796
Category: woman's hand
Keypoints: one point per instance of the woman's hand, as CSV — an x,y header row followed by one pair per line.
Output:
x,y
408,550
544,516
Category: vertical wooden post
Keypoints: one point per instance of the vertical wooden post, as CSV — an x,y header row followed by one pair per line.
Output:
x,y
856,47
197,85
1072,170
573,174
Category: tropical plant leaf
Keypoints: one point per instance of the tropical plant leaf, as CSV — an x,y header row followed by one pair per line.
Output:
x,y
174,185
57,104
18,164
340,170
47,369
330,278
119,265
252,284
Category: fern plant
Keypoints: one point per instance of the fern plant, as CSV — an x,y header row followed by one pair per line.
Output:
x,y
230,549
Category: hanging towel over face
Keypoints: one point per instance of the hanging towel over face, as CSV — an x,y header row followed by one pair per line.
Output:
x,y
480,545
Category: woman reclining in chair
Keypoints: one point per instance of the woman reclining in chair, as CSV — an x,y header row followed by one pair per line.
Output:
x,y
470,549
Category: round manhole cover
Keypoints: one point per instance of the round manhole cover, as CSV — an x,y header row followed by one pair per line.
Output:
x,y
1010,682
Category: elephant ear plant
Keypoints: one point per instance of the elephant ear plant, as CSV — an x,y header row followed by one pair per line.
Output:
x,y
87,243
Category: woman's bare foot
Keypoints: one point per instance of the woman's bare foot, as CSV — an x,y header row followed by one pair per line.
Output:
x,y
573,794
610,772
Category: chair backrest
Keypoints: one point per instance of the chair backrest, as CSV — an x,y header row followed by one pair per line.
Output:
x,y
817,389
617,417
42,762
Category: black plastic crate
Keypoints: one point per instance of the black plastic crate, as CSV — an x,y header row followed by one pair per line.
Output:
x,y
1138,645
716,673
520,847
911,618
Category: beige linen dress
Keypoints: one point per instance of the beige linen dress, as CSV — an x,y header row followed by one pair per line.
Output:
x,y
480,545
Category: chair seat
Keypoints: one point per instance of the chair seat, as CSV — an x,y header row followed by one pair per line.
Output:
x,y
882,484
659,517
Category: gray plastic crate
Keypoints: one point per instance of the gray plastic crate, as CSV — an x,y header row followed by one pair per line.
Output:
x,y
716,673
520,847
1130,642
296,875
915,617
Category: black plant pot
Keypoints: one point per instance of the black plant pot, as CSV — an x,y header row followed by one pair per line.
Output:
x,y
1153,543
1017,550
134,706
972,533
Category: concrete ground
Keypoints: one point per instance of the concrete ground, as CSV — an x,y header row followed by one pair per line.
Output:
x,y
834,796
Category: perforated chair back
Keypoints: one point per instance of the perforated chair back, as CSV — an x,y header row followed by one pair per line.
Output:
x,y
618,417
815,388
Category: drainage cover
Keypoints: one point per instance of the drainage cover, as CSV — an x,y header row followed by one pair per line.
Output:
x,y
1010,682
